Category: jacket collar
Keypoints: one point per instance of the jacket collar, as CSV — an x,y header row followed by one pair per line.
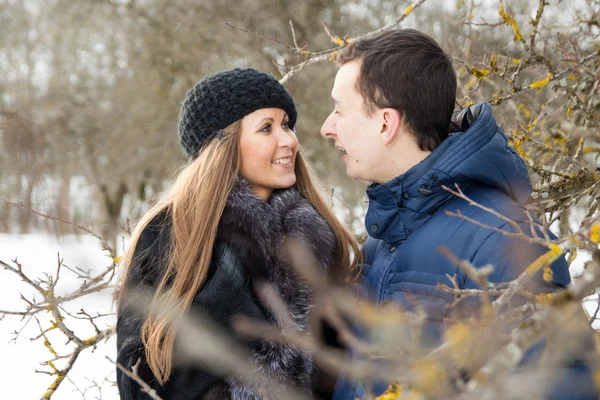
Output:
x,y
476,152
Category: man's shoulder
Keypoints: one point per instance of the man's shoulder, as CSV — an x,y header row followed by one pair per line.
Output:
x,y
463,227
489,205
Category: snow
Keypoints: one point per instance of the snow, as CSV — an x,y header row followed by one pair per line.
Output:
x,y
38,253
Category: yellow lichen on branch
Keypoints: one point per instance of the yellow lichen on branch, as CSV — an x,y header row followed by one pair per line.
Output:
x,y
49,347
53,386
595,233
55,371
548,274
572,256
590,150
517,143
90,341
544,298
507,19
493,63
480,73
540,84
393,392
545,259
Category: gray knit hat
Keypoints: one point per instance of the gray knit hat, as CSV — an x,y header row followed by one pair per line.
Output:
x,y
219,100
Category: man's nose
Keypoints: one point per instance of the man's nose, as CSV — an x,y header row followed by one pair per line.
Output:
x,y
328,127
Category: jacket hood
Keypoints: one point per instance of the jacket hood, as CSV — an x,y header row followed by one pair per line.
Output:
x,y
476,151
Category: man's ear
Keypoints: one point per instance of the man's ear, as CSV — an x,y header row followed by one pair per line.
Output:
x,y
391,122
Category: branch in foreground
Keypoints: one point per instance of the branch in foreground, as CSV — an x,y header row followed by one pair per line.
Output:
x,y
52,306
133,374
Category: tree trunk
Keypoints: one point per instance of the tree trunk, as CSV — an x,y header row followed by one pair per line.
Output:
x,y
112,208
62,203
27,200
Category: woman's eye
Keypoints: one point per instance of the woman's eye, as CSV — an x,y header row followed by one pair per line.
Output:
x,y
266,128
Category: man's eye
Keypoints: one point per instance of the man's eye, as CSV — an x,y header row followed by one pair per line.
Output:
x,y
286,125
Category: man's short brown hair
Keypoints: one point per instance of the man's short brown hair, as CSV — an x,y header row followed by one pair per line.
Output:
x,y
406,70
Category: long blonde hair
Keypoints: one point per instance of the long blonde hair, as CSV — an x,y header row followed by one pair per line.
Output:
x,y
195,205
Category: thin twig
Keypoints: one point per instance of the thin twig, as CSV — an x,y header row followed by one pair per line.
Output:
x,y
257,34
133,374
105,245
565,72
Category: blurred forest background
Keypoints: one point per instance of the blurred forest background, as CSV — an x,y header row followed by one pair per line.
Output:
x,y
90,90
90,93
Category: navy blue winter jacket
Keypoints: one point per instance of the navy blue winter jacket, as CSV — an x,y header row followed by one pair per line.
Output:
x,y
407,224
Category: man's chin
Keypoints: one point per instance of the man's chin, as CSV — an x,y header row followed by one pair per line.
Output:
x,y
354,175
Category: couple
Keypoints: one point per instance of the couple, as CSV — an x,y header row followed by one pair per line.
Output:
x,y
247,188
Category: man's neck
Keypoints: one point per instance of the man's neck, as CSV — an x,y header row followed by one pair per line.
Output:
x,y
396,166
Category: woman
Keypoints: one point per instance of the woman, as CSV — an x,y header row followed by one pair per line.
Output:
x,y
221,229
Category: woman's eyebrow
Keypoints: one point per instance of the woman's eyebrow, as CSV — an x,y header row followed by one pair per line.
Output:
x,y
263,120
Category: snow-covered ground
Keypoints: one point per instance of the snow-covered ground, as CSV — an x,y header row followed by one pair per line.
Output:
x,y
38,253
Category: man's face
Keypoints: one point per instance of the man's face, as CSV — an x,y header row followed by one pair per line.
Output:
x,y
356,134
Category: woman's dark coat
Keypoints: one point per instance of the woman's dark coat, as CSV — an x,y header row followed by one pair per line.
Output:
x,y
248,249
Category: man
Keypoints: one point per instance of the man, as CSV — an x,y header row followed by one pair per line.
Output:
x,y
394,97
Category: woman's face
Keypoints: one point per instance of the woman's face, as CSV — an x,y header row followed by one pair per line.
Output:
x,y
268,148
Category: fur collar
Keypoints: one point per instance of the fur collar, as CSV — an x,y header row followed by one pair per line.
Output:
x,y
258,229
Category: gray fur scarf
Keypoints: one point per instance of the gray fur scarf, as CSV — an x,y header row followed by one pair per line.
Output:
x,y
257,231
